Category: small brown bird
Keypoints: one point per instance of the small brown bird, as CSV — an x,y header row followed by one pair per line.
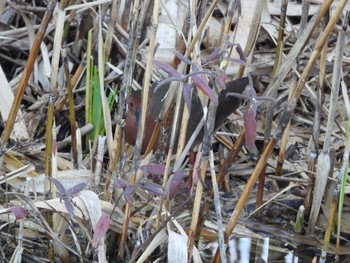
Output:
x,y
226,105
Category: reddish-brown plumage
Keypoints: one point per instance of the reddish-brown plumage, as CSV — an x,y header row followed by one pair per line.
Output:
x,y
130,130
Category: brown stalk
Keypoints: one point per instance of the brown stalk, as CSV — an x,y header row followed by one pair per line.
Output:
x,y
48,170
60,102
26,74
153,139
73,124
48,139
227,27
196,207
286,116
330,224
78,74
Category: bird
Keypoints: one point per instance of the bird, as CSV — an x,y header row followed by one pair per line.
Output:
x,y
226,106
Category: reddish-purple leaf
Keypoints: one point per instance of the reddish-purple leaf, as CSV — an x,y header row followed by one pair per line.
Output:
x,y
119,184
69,207
203,77
100,229
129,191
151,187
203,86
213,55
183,58
222,76
250,127
250,92
18,211
172,72
153,169
238,61
221,80
175,184
58,184
229,45
76,189
164,82
195,68
241,53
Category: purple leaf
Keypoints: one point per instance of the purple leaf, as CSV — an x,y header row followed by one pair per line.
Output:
x,y
213,55
250,127
172,72
164,82
153,169
100,229
203,86
58,184
175,183
76,189
203,77
183,58
229,44
195,68
69,207
119,184
152,187
241,53
222,76
129,191
221,80
18,211
238,61
251,86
